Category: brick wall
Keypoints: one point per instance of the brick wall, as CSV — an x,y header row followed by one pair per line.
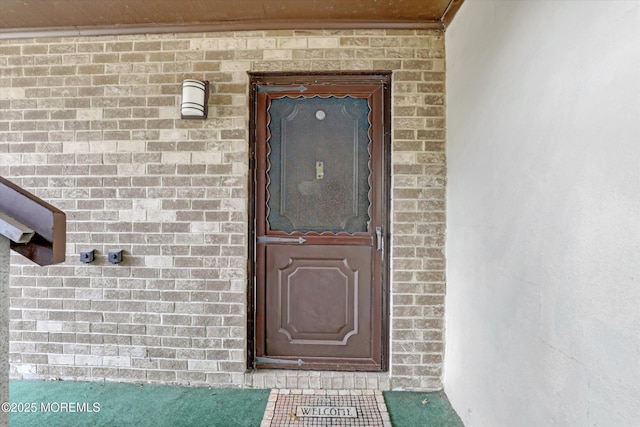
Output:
x,y
92,125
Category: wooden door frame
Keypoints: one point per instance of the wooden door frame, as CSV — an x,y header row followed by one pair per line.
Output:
x,y
382,78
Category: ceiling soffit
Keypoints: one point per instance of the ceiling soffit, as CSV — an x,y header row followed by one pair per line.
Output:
x,y
38,18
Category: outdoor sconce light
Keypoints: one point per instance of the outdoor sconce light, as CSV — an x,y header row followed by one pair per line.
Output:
x,y
195,99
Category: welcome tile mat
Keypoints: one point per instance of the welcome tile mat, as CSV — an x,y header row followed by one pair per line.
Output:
x,y
310,408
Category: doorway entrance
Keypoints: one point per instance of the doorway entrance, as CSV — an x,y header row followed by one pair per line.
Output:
x,y
320,200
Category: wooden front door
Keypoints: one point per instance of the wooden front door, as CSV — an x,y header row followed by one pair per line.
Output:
x,y
320,179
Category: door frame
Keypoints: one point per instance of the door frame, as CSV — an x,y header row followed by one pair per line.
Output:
x,y
382,78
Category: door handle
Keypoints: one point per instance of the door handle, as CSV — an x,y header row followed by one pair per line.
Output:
x,y
277,239
380,242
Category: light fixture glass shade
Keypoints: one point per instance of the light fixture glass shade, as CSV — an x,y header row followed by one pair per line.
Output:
x,y
195,97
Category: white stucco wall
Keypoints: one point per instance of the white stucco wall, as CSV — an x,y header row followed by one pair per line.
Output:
x,y
543,216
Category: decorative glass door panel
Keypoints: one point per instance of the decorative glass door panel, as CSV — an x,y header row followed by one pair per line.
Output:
x,y
318,177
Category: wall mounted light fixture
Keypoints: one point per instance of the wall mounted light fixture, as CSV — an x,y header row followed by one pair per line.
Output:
x,y
195,99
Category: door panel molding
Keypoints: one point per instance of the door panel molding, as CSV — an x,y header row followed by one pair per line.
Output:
x,y
335,323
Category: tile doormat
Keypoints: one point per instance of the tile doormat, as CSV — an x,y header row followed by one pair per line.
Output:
x,y
326,408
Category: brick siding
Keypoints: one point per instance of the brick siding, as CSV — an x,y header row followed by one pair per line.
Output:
x,y
91,124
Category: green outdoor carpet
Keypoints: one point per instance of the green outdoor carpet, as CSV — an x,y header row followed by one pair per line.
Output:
x,y
74,404
416,409
77,404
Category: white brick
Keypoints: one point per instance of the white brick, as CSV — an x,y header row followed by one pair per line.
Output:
x,y
324,43
173,134
206,158
48,326
23,368
131,169
12,93
103,147
292,43
232,44
119,361
262,43
147,204
89,114
176,157
159,261
236,66
205,44
168,113
203,365
132,215
131,146
75,147
34,158
205,227
85,360
61,359
161,216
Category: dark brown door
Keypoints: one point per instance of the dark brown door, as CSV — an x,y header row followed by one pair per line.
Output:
x,y
320,221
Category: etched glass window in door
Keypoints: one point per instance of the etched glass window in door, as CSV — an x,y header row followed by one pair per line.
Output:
x,y
318,164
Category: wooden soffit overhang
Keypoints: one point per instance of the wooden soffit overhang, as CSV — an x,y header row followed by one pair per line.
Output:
x,y
44,18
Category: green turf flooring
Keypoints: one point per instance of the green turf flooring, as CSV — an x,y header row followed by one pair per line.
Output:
x,y
415,409
76,404
133,405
